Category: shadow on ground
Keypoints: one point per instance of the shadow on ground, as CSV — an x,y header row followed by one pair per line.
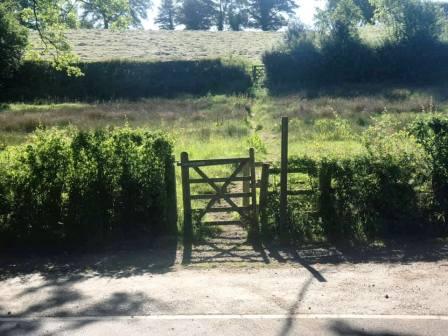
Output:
x,y
341,328
231,246
118,304
120,261
62,272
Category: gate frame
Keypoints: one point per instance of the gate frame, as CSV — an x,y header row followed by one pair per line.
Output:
x,y
244,165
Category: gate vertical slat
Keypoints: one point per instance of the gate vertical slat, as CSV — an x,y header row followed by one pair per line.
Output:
x,y
188,225
246,185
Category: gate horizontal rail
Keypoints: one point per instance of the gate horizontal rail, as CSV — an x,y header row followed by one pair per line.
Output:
x,y
223,196
220,179
214,162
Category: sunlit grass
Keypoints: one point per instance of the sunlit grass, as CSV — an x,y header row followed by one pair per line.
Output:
x,y
226,126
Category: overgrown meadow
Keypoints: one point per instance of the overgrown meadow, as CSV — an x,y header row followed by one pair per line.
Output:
x,y
371,142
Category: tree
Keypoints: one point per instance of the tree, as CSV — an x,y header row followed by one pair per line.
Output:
x,y
196,14
340,17
49,18
411,20
270,14
139,11
237,15
221,8
165,18
118,14
13,40
444,7
366,7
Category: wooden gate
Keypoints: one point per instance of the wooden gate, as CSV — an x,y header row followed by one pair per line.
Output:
x,y
243,171
258,74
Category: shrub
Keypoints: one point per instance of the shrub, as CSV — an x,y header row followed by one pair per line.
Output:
x,y
126,80
432,134
384,193
85,187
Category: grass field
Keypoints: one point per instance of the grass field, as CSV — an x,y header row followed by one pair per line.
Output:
x,y
101,45
225,126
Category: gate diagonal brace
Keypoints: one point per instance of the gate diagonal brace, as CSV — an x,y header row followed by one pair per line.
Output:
x,y
221,191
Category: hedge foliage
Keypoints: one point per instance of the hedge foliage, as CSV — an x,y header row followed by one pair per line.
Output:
x,y
398,188
126,80
70,186
351,61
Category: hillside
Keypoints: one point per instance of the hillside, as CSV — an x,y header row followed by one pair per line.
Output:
x,y
100,45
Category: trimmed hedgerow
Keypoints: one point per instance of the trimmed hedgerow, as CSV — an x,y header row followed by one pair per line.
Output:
x,y
126,80
308,64
397,188
70,186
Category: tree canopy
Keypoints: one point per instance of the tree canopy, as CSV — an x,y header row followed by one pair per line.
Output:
x,y
119,14
411,19
13,39
270,14
167,15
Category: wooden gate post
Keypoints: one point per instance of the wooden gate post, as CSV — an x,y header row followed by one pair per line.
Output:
x,y
264,188
171,197
254,231
284,177
188,225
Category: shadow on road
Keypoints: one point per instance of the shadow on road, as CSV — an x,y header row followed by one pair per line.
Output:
x,y
341,328
58,305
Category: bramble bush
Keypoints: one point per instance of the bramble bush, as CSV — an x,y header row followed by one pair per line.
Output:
x,y
397,188
71,187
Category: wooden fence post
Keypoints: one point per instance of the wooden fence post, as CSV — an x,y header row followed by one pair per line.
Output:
x,y
254,230
325,200
188,225
264,188
284,177
171,216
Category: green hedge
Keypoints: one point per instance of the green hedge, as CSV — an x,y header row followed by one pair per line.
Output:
x,y
309,64
70,186
398,188
126,80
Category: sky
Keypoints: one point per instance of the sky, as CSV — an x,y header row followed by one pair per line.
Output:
x,y
305,12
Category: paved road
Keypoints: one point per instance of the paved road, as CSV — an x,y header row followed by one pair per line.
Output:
x,y
231,325
228,289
